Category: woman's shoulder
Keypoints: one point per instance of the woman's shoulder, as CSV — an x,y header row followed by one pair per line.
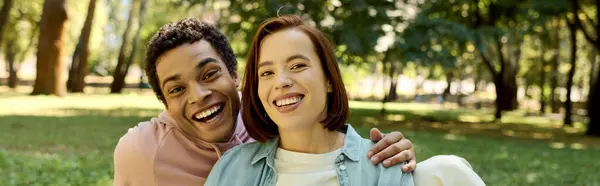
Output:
x,y
236,161
243,151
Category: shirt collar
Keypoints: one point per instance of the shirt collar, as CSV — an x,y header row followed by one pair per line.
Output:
x,y
351,148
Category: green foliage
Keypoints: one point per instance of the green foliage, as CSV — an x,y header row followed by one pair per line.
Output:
x,y
354,25
20,32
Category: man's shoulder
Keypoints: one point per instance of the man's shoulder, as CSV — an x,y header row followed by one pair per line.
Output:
x,y
135,153
141,140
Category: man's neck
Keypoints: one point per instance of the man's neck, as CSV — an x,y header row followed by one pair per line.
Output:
x,y
313,140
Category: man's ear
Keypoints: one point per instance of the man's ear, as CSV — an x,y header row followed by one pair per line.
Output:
x,y
236,80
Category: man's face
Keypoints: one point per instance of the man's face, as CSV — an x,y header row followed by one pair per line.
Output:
x,y
200,93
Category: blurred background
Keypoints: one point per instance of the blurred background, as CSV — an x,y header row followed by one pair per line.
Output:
x,y
507,84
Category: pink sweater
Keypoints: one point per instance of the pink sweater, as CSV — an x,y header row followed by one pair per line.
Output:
x,y
157,152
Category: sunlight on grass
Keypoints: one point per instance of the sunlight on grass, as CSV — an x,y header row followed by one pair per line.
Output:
x,y
542,135
395,117
578,146
371,121
508,132
55,106
487,126
454,137
538,121
562,145
469,118
531,177
573,130
557,145
393,106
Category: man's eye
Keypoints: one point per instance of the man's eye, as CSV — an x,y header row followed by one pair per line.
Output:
x,y
210,74
176,90
266,73
296,66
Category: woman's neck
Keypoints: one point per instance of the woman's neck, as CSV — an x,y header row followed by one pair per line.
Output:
x,y
313,140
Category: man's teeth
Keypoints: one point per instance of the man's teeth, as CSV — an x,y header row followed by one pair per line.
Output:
x,y
288,101
208,112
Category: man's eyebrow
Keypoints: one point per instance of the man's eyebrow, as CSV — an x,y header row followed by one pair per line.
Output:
x,y
171,78
205,61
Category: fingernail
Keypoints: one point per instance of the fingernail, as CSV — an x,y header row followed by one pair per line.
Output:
x,y
374,159
386,162
370,153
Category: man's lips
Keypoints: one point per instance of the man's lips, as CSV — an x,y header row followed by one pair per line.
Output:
x,y
208,112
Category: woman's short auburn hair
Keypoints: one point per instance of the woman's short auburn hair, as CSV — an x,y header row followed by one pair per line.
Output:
x,y
258,124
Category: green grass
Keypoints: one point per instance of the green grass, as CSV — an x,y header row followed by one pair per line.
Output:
x,y
46,140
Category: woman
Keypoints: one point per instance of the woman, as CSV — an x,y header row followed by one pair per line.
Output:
x,y
295,106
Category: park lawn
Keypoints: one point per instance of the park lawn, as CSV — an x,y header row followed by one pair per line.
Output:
x,y
46,140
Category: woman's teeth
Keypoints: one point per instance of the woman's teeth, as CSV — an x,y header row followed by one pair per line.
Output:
x,y
208,112
288,101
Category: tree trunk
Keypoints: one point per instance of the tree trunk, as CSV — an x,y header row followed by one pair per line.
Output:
x,y
542,85
506,93
117,83
80,56
135,43
392,94
446,92
554,82
592,59
478,78
4,14
506,83
73,68
121,72
50,49
10,55
568,104
593,107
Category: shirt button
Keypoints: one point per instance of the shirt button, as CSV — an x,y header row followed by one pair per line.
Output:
x,y
342,167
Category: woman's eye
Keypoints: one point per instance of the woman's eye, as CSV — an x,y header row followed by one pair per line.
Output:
x,y
266,73
296,66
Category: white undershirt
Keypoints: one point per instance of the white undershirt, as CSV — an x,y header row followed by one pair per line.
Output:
x,y
294,168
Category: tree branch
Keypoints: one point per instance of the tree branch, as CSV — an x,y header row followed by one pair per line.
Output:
x,y
575,6
588,19
500,54
486,61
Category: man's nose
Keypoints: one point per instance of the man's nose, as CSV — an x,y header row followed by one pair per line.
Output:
x,y
198,93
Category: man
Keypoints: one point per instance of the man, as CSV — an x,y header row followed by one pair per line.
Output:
x,y
192,71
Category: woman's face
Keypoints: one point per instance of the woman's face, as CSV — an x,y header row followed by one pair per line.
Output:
x,y
291,85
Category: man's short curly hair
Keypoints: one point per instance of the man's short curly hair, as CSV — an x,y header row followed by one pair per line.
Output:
x,y
185,31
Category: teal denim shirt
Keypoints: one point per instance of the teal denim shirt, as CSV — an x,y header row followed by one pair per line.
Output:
x,y
254,164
